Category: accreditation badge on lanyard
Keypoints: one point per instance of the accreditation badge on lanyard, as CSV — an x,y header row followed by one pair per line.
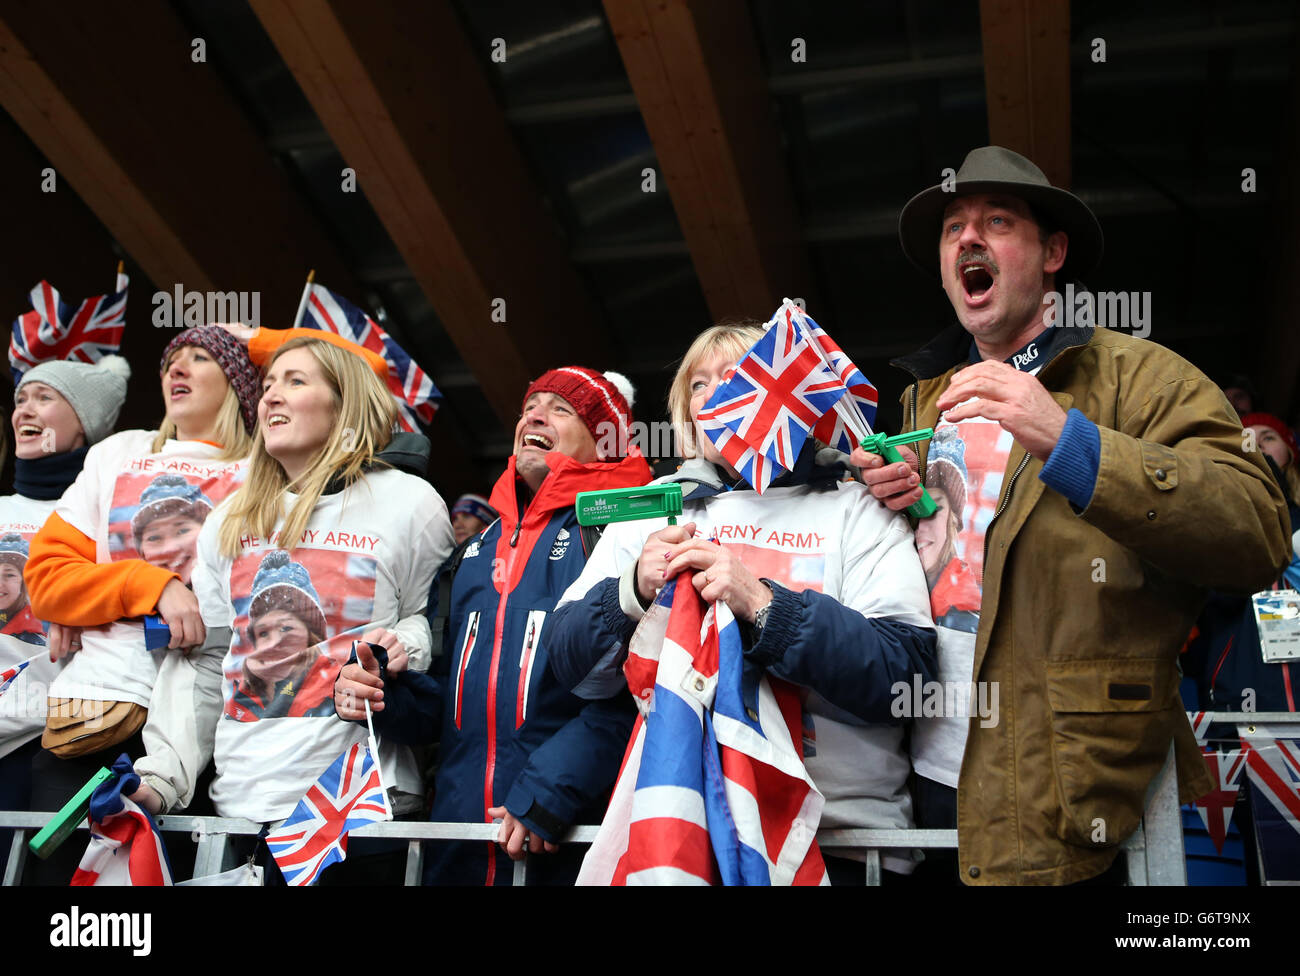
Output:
x,y
1277,617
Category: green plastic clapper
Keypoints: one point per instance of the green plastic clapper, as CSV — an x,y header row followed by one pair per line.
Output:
x,y
886,447
629,504
69,818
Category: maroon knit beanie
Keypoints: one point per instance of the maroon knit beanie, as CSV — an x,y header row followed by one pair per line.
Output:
x,y
232,357
598,398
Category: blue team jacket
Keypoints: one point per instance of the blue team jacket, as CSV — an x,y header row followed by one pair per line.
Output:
x,y
509,734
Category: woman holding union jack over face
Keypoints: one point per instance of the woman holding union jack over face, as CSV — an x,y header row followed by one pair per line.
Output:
x,y
830,597
325,544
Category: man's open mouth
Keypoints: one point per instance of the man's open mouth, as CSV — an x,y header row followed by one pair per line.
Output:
x,y
538,441
976,279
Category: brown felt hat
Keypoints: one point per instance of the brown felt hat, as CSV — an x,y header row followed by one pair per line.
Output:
x,y
993,169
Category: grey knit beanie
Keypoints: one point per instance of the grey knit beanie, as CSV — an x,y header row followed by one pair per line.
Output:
x,y
95,391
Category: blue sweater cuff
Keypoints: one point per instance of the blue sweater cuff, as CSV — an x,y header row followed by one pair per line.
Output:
x,y
1074,462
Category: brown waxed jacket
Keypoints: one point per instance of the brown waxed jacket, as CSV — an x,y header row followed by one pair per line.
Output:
x,y
1083,615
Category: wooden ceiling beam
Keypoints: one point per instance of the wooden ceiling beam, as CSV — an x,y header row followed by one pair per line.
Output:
x,y
695,68
1027,80
403,96
162,154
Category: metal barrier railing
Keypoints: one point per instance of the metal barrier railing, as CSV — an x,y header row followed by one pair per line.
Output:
x,y
1154,853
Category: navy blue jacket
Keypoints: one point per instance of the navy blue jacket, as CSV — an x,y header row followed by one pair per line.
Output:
x,y
1224,655
510,735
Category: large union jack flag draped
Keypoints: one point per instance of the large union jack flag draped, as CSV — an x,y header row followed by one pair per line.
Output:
x,y
793,382
713,789
349,794
54,330
415,393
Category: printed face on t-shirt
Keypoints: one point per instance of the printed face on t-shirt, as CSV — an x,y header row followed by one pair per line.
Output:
x,y
170,543
173,536
11,587
932,533
13,597
280,642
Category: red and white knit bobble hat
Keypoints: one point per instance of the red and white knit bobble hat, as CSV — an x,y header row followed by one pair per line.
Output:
x,y
599,398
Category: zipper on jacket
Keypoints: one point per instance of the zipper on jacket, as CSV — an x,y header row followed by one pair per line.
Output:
x,y
526,658
471,635
489,773
920,471
1006,500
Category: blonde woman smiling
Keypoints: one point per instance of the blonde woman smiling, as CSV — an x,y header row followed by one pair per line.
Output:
x,y
322,522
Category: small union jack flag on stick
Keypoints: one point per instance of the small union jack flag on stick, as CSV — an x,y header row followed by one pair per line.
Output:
x,y
9,675
53,330
417,397
854,415
350,794
789,385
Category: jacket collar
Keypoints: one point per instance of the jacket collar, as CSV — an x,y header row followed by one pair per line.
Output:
x,y
406,451
951,347
561,486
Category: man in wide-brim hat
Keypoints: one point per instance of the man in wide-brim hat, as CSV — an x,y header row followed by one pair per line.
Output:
x,y
1123,496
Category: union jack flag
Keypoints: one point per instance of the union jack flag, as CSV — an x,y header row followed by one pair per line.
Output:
x,y
349,794
754,467
1216,806
774,397
832,429
10,675
53,330
1200,722
415,393
713,789
125,847
1274,767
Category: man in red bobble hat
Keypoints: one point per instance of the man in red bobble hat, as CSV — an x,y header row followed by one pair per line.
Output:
x,y
514,745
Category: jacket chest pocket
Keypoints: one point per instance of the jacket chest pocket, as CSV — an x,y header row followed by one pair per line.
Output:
x,y
1111,732
527,659
462,660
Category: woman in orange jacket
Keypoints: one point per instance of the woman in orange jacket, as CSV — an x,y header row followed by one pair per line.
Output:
x,y
87,577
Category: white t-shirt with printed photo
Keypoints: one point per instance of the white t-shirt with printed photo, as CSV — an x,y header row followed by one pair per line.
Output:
x,y
105,504
366,559
22,636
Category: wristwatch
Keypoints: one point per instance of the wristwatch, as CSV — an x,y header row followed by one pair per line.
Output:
x,y
760,618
